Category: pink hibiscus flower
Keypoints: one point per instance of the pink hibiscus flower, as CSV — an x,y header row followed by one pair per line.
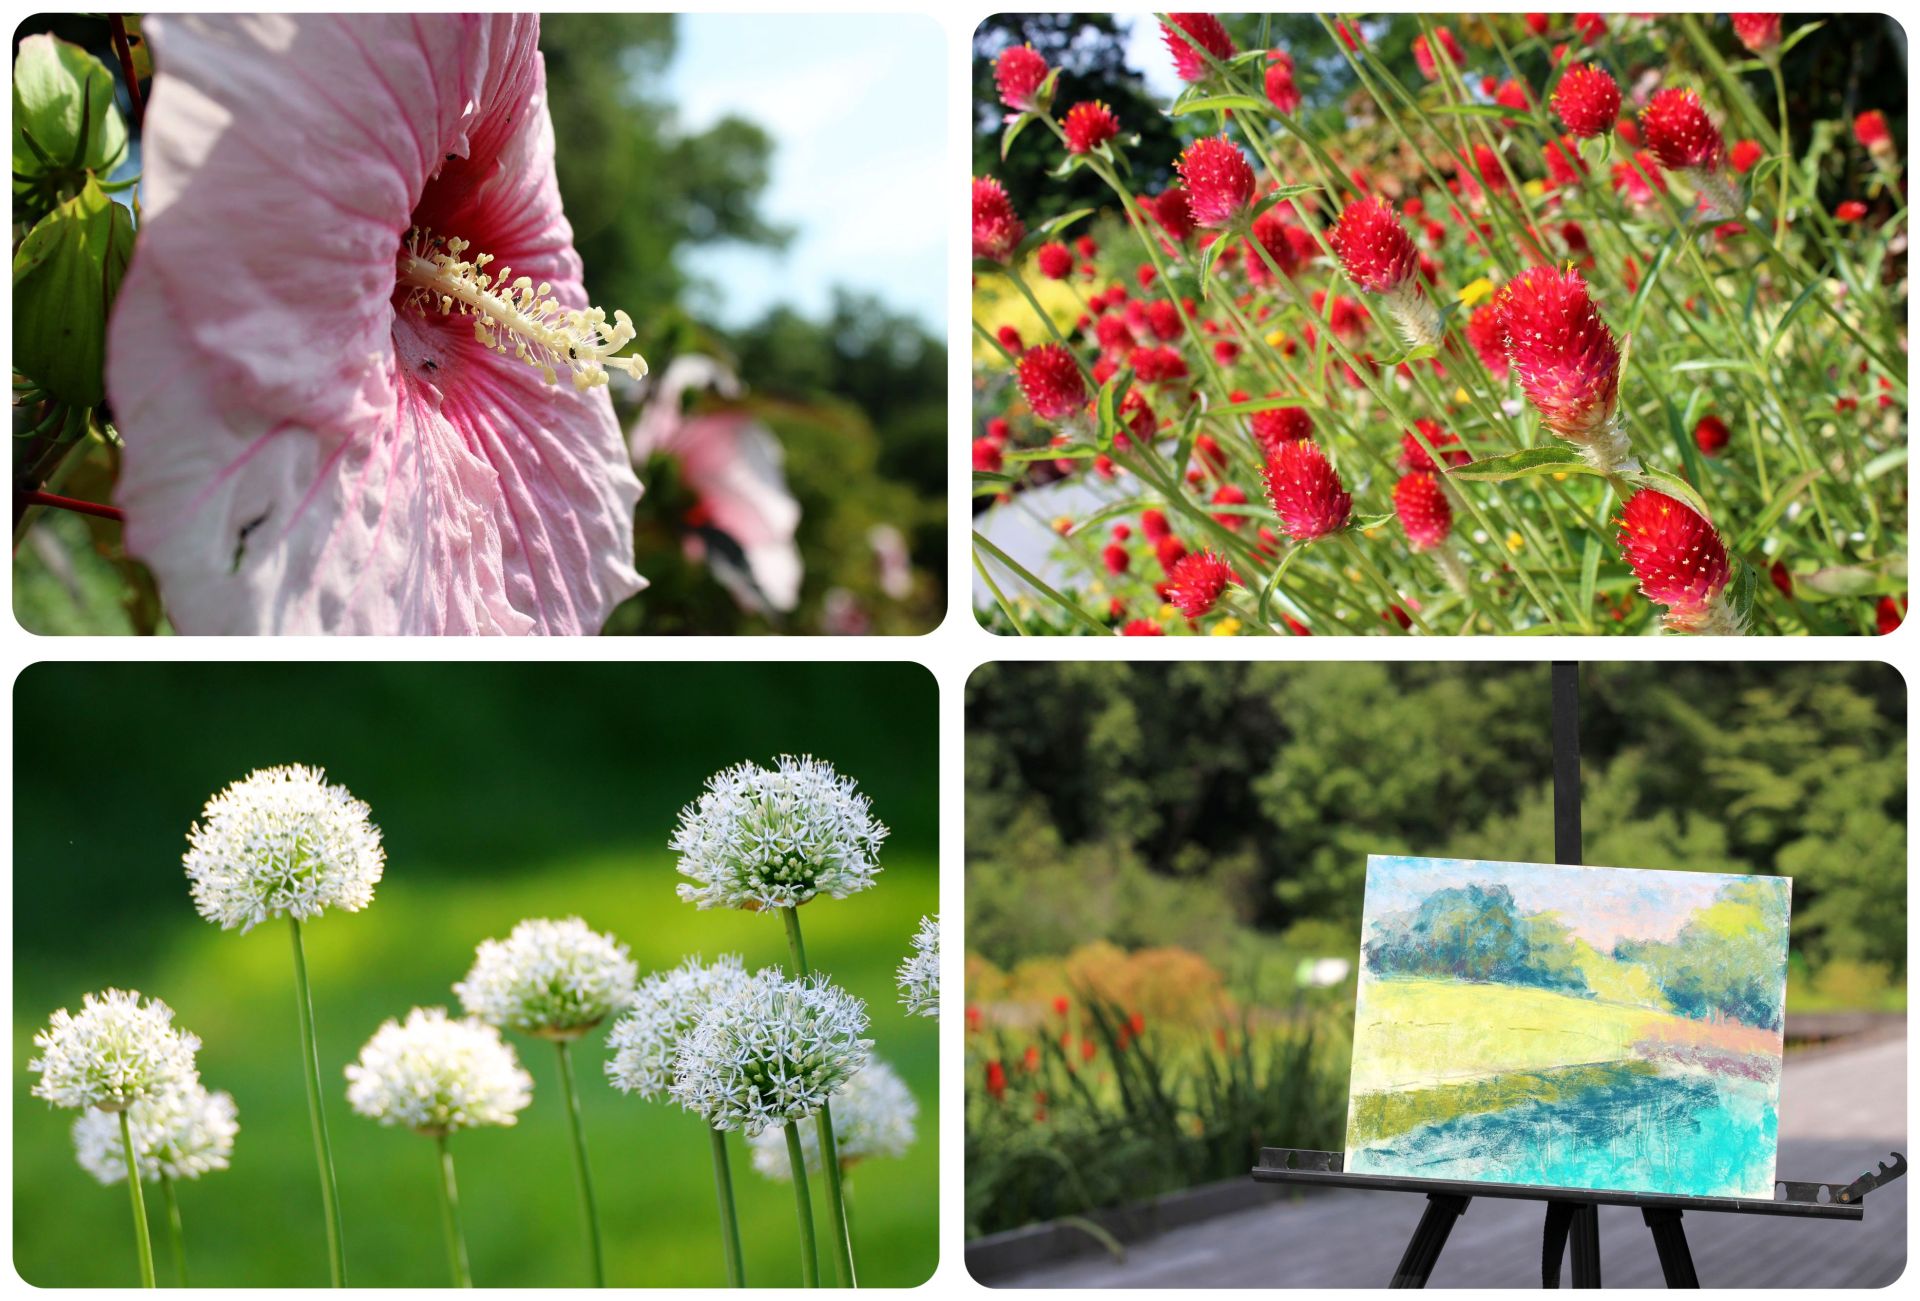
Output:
x,y
353,362
745,518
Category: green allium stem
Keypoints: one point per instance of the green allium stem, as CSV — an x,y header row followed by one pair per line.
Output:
x,y
450,1216
797,1159
588,1209
823,1123
729,1221
322,1146
143,1245
176,1235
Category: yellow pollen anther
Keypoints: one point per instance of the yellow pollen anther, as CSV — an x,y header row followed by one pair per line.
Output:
x,y
512,311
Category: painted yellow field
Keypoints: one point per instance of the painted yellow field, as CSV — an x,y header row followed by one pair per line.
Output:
x,y
1412,1032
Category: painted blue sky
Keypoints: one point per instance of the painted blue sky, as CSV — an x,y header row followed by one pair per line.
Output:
x,y
1599,904
856,105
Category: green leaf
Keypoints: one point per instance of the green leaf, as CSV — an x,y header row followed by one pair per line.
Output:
x,y
1712,363
1798,35
1220,103
63,98
1014,128
1884,577
1259,404
1515,465
1742,587
1054,225
1478,110
1107,407
1891,459
1207,255
1068,452
65,276
1674,486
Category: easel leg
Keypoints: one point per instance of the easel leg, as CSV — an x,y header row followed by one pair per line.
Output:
x,y
1584,1237
1670,1240
1436,1222
1553,1245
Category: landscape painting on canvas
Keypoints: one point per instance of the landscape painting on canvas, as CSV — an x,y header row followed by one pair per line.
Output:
x,y
1569,1027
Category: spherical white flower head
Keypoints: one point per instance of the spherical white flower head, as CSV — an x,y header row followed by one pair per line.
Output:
x,y
181,1135
437,1075
553,979
773,1053
282,841
872,1117
116,1052
665,1009
775,838
919,976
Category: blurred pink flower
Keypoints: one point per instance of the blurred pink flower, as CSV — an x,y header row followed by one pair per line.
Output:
x,y
746,518
334,420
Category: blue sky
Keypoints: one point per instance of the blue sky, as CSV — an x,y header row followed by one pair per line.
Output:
x,y
856,105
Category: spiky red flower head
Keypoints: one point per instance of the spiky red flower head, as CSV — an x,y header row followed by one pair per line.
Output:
x,y
1423,510
1758,32
1423,52
1487,163
997,229
1051,379
1413,456
1196,583
1678,131
986,455
1153,523
1142,628
1590,26
1281,92
1675,553
1188,35
1848,210
1018,72
1638,178
1219,181
1170,551
1373,246
1538,23
1272,231
1174,213
1566,357
1513,94
1088,125
1280,425
1055,260
1712,435
1487,332
1870,129
1159,365
1565,167
1115,558
1743,155
1114,336
1587,100
1305,492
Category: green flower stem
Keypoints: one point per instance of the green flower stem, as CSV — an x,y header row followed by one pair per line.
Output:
x,y
797,1161
823,1123
322,1146
143,1245
589,1211
176,1235
1006,608
729,1222
450,1217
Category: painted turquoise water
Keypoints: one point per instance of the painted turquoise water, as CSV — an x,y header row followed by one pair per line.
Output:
x,y
1674,1132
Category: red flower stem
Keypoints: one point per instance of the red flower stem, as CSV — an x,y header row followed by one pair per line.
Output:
x,y
124,52
35,497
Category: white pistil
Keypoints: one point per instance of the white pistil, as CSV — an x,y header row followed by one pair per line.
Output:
x,y
509,310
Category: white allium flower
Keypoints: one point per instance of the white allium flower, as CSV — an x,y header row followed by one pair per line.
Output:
x,y
664,1011
181,1134
115,1053
774,1052
438,1075
282,841
553,979
919,976
872,1117
775,838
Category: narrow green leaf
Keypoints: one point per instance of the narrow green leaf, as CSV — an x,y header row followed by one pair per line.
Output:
x,y
1674,486
1218,103
1012,133
1514,465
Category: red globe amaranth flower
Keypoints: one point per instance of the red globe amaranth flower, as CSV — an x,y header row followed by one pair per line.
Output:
x,y
1423,52
1159,365
1486,163
1055,261
1414,456
1229,494
1174,213
1088,125
1280,425
1219,182
1567,361
1743,155
997,1081
1195,584
1638,178
1538,23
1889,614
1281,92
1679,560
1587,101
1350,34
1019,72
1273,233
986,455
1052,382
1513,94
1142,628
1153,523
1711,435
1849,210
1115,558
1591,27
1195,32
1373,246
1487,332
1169,551
1565,167
1010,340
1758,32
1870,129
997,229
1679,133
1781,579
1305,492
1423,510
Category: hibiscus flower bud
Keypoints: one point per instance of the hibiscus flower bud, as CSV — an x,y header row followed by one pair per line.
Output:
x,y
1680,562
1305,492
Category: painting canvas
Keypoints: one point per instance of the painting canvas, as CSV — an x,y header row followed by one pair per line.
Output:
x,y
1569,1027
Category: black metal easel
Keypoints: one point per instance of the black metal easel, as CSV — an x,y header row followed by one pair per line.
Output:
x,y
1573,1215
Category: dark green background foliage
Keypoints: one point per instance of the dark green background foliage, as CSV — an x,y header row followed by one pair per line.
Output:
x,y
1219,806
503,792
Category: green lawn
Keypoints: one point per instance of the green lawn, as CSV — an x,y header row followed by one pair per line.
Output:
x,y
259,1223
